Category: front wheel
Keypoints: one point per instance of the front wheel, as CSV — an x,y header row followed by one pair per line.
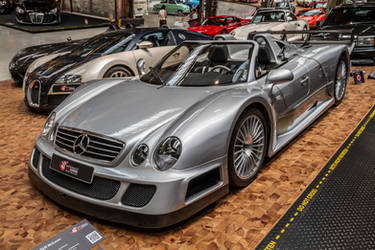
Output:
x,y
247,148
117,71
341,81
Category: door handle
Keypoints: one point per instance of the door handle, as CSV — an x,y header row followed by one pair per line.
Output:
x,y
305,80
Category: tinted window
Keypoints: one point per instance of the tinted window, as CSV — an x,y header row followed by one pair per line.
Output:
x,y
343,16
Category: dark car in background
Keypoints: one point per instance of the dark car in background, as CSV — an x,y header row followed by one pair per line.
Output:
x,y
22,60
360,18
38,12
6,6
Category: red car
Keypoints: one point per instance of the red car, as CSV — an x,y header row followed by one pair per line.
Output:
x,y
219,25
312,16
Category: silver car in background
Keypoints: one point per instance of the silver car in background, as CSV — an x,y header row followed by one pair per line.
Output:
x,y
152,151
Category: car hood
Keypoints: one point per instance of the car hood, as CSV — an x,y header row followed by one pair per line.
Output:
x,y
206,29
130,109
59,66
358,29
243,32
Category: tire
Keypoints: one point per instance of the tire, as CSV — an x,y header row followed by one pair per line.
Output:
x,y
341,80
117,71
247,149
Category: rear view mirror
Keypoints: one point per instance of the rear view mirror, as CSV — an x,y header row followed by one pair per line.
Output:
x,y
289,19
278,76
145,45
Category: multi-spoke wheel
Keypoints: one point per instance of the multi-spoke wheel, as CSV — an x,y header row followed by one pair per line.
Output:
x,y
247,148
341,81
117,71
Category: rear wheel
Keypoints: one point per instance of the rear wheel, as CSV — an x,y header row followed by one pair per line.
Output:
x,y
341,81
117,71
247,148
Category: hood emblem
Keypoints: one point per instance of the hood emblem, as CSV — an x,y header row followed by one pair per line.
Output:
x,y
81,144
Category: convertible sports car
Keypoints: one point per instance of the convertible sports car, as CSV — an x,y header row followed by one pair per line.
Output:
x,y
111,54
313,16
152,151
38,11
272,20
219,25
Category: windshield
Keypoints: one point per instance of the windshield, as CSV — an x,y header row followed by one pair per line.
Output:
x,y
194,64
347,16
214,21
271,16
320,5
104,44
312,12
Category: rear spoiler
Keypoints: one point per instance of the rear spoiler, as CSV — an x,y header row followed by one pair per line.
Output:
x,y
313,36
345,37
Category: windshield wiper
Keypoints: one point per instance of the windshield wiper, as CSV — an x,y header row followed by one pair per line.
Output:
x,y
155,73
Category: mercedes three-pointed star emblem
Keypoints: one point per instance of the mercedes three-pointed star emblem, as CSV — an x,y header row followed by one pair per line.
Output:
x,y
81,144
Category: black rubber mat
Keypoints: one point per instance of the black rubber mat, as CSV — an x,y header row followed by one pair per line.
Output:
x,y
69,21
337,210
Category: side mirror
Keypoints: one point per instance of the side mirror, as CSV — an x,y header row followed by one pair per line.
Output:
x,y
289,19
278,76
69,39
145,45
141,67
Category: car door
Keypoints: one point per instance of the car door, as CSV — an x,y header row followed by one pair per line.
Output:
x,y
163,43
296,94
172,6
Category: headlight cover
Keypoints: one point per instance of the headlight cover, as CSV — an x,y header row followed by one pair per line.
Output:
x,y
140,154
48,126
167,153
366,41
53,11
20,10
67,79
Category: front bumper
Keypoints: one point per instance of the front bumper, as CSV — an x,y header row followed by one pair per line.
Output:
x,y
363,55
168,205
37,18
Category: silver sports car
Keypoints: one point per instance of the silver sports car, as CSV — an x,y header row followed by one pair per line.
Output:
x,y
152,151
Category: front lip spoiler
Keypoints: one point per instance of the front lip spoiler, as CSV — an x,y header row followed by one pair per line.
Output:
x,y
121,216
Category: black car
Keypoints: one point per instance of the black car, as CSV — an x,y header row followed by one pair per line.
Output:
x,y
361,19
6,6
111,54
38,12
22,60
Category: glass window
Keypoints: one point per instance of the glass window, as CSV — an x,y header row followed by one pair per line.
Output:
x,y
158,38
344,16
203,65
270,16
314,12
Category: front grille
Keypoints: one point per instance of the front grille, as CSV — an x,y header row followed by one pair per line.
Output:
x,y
97,147
138,195
36,18
100,188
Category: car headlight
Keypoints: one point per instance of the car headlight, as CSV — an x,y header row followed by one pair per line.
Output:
x,y
48,126
3,3
53,11
20,10
67,79
140,154
365,41
167,153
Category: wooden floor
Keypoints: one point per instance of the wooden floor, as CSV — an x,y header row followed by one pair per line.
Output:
x,y
240,220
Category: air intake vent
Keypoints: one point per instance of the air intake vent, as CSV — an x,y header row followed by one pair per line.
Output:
x,y
203,182
87,144
35,159
100,188
138,195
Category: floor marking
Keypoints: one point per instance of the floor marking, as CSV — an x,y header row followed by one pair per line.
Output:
x,y
338,159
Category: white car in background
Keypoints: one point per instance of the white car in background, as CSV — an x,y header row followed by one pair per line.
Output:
x,y
272,20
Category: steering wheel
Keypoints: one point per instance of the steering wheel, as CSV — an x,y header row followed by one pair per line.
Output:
x,y
220,69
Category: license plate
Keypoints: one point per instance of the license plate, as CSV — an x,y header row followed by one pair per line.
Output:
x,y
72,169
